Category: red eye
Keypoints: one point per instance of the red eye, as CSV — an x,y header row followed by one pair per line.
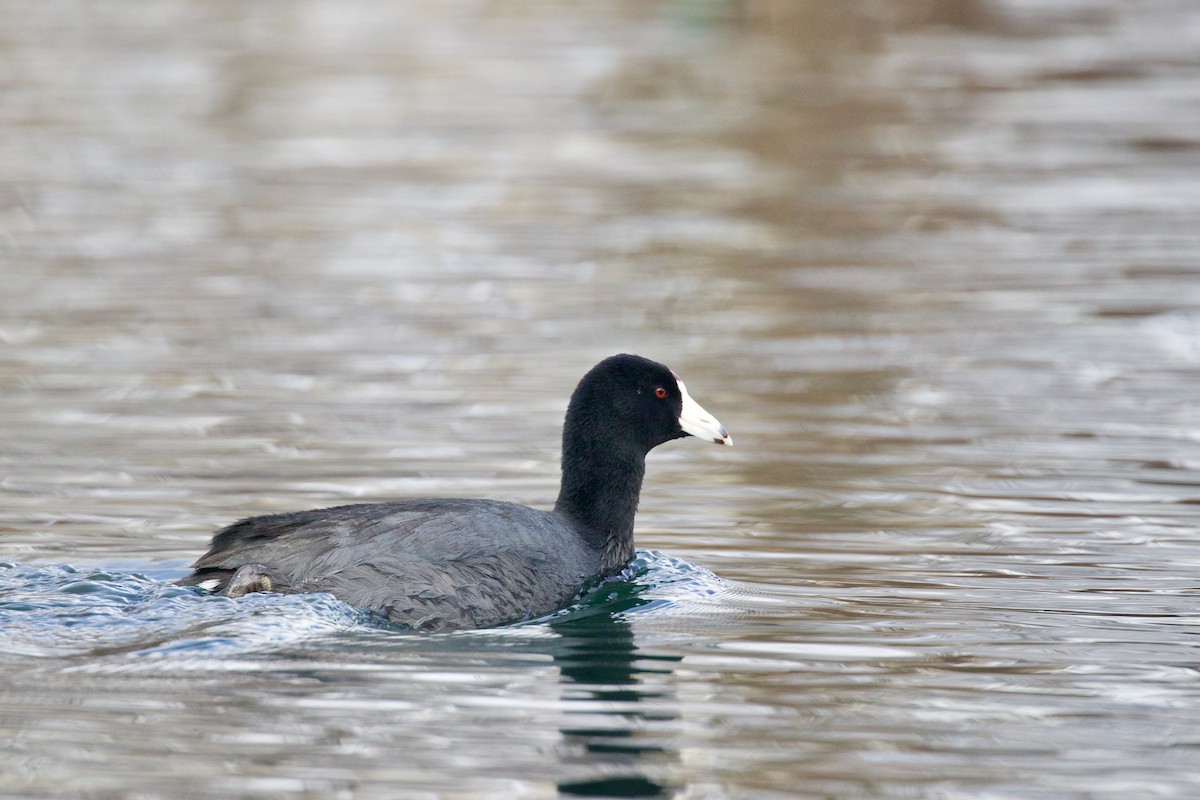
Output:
x,y
660,393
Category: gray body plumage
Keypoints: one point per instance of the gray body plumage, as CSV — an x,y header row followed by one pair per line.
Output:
x,y
428,564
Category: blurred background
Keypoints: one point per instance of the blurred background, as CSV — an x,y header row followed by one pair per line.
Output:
x,y
933,263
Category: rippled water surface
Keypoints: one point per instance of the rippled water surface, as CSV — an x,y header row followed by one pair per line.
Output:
x,y
936,266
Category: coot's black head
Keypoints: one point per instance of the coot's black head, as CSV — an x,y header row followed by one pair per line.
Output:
x,y
627,401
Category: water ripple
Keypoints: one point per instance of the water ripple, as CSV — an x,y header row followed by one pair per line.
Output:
x,y
62,611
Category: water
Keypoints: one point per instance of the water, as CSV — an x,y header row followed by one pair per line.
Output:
x,y
934,266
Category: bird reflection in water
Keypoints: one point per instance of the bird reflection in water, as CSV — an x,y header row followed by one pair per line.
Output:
x,y
599,662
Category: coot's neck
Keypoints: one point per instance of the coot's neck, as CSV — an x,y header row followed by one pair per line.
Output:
x,y
601,482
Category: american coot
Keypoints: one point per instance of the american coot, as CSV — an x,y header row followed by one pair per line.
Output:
x,y
451,564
